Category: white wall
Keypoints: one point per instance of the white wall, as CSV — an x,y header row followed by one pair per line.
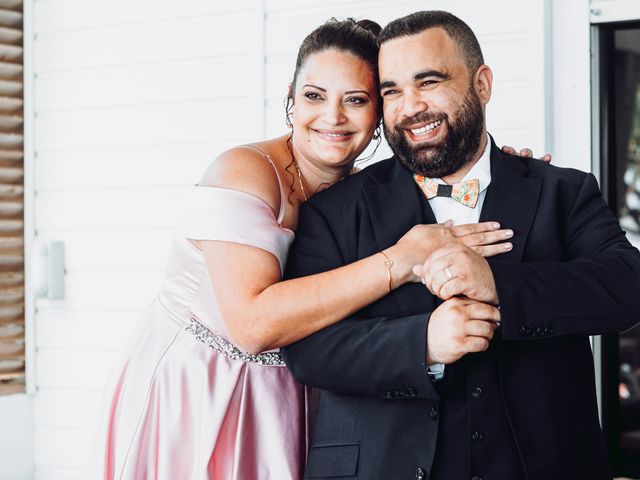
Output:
x,y
16,452
569,122
131,100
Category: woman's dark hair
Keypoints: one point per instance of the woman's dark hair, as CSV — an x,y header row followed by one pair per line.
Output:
x,y
356,37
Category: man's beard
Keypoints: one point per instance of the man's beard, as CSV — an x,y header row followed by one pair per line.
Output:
x,y
456,149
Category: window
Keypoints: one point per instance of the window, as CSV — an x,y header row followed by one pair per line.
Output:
x,y
12,350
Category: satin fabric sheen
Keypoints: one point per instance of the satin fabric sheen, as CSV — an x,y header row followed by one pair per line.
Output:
x,y
178,409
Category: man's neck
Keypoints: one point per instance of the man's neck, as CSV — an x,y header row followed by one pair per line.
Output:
x,y
459,175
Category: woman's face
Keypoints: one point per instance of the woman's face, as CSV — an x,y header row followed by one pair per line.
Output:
x,y
335,109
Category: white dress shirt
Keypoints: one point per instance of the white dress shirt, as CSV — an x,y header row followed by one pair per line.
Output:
x,y
446,208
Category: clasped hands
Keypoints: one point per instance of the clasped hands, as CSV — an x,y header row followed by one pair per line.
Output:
x,y
467,319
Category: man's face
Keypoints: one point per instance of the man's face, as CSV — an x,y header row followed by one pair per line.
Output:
x,y
433,114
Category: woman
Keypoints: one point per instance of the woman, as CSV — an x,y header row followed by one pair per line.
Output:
x,y
196,398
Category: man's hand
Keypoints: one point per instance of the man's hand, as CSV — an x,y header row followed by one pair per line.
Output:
x,y
459,326
458,270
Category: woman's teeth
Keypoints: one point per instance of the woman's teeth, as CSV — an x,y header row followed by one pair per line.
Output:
x,y
335,134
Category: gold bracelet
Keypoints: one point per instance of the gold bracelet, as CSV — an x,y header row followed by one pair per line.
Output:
x,y
387,263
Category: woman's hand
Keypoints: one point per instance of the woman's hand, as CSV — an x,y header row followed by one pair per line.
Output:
x,y
422,240
484,241
526,153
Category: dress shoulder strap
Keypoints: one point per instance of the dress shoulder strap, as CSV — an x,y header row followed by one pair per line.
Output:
x,y
282,194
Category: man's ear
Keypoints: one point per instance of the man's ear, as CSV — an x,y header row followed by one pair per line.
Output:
x,y
482,81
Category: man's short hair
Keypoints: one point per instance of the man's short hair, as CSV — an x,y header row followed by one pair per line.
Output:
x,y
459,32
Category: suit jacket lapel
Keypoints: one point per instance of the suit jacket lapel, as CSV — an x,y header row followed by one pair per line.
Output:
x,y
511,199
396,205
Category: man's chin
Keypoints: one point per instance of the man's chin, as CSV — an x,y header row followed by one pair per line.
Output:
x,y
427,159
428,163
431,144
431,172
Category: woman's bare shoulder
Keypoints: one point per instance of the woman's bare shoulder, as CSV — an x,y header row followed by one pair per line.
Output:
x,y
247,170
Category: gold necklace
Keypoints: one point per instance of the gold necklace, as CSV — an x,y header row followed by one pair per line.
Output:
x,y
300,177
298,171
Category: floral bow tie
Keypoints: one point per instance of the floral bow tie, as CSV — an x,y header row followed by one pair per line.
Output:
x,y
465,192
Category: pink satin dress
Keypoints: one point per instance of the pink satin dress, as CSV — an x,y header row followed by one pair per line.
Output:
x,y
187,403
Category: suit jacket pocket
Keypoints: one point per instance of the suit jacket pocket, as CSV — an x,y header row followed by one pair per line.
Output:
x,y
335,460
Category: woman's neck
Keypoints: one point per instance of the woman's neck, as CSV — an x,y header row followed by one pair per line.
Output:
x,y
317,177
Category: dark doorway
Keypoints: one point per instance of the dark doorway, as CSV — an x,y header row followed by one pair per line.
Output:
x,y
619,58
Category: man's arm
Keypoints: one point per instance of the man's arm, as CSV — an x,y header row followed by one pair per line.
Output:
x,y
595,290
378,357
382,357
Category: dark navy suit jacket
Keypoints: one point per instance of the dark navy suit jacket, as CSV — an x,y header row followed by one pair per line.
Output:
x,y
572,273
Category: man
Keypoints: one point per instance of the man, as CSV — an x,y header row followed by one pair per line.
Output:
x,y
517,398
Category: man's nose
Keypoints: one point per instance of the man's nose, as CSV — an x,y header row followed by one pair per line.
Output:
x,y
413,103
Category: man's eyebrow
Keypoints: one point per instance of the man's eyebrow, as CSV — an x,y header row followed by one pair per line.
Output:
x,y
417,76
387,84
431,73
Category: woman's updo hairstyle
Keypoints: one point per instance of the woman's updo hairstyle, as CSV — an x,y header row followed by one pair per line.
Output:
x,y
356,37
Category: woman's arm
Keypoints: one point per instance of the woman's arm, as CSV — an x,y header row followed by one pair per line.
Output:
x,y
262,312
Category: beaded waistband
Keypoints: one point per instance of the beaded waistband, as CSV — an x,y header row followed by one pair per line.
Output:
x,y
228,349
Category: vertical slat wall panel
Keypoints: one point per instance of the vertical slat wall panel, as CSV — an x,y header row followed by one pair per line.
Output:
x,y
12,347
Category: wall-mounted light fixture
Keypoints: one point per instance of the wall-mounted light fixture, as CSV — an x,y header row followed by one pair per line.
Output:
x,y
47,269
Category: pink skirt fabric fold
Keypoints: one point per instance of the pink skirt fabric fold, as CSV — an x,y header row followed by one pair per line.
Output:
x,y
181,410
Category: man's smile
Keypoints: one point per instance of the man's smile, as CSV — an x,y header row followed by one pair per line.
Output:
x,y
424,132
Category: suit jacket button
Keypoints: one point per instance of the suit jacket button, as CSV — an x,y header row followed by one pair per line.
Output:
x,y
524,331
420,474
477,392
433,413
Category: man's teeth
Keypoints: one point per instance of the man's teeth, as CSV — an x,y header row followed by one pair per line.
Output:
x,y
426,128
